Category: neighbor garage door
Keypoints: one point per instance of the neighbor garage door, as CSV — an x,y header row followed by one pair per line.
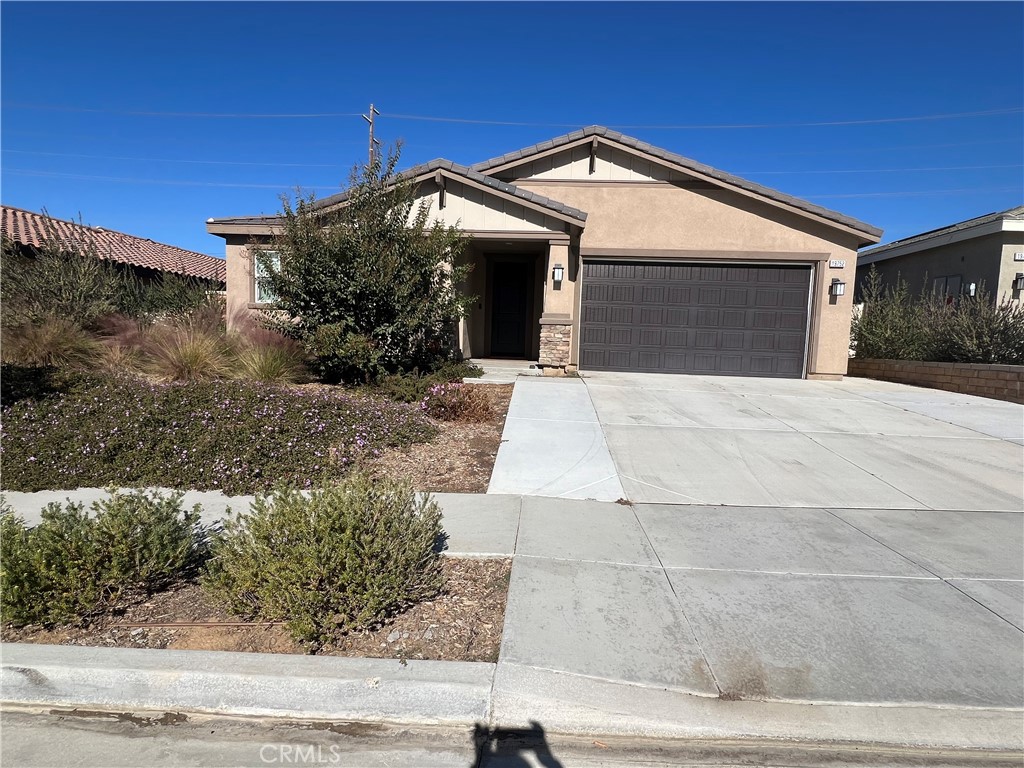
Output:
x,y
694,318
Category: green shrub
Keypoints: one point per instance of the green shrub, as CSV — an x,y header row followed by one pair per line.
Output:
x,y
73,564
896,325
371,286
457,402
413,387
50,342
341,559
238,436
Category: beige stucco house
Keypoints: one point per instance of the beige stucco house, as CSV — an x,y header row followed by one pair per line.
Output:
x,y
961,258
598,251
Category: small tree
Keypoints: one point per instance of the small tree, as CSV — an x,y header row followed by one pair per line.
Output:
x,y
371,286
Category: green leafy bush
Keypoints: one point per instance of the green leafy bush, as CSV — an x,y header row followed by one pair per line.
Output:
x,y
73,564
342,558
457,402
413,387
239,436
896,325
371,285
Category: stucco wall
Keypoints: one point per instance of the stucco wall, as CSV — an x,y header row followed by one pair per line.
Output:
x,y
1013,242
664,216
975,261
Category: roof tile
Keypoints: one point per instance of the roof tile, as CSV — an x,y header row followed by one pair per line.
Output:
x,y
31,229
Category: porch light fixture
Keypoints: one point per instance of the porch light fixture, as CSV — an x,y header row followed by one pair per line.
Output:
x,y
1018,282
558,273
838,287
972,289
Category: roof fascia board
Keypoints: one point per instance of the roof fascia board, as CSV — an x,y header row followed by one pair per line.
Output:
x,y
216,228
585,141
518,200
938,240
684,170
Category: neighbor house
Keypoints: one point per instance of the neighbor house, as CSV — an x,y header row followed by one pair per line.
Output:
x,y
30,231
961,258
600,252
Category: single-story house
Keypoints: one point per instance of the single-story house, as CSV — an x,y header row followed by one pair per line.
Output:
x,y
29,231
987,250
598,251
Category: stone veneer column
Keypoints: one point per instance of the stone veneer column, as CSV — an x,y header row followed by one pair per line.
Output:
x,y
556,318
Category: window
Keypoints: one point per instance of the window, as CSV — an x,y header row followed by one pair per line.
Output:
x,y
261,291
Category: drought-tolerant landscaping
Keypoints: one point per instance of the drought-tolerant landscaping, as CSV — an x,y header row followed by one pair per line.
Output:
x,y
353,568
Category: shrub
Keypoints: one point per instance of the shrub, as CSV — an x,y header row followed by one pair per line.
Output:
x,y
969,329
370,286
21,382
262,354
457,402
72,564
50,342
341,559
413,387
238,436
186,353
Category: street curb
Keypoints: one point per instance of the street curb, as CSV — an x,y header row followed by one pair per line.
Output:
x,y
248,684
465,694
568,703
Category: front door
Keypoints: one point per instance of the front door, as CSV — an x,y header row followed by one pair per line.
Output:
x,y
510,283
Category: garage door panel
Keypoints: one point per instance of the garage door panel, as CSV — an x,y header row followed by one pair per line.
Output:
x,y
694,318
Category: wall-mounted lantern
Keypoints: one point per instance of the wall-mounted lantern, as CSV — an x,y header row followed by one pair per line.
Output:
x,y
838,287
558,273
1018,282
972,290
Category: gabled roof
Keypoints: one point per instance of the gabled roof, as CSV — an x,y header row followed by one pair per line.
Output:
x,y
963,230
684,163
421,172
32,229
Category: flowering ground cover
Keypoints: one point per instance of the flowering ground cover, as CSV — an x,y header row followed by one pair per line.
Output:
x,y
237,436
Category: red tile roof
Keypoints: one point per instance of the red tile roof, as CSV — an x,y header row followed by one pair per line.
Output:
x,y
30,229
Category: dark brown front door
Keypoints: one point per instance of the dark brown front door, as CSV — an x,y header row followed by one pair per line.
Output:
x,y
510,283
724,319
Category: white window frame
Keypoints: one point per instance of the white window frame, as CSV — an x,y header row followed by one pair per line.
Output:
x,y
260,293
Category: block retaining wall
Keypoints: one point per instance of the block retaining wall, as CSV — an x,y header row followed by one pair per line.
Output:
x,y
1000,382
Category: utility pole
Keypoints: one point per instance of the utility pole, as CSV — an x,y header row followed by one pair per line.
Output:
x,y
374,143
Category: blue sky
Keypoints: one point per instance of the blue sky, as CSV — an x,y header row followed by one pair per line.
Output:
x,y
107,106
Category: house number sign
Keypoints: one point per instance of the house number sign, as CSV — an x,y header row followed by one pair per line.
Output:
x,y
837,264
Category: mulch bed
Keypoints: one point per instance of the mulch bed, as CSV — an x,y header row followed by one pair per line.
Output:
x,y
459,460
463,623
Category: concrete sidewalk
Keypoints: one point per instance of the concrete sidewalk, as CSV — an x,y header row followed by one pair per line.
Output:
x,y
553,444
899,627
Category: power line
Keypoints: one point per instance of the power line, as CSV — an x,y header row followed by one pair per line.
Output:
x,y
174,182
694,126
471,121
919,193
169,159
883,170
152,113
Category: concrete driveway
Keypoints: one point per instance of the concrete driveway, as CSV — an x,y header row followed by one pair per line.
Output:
x,y
792,443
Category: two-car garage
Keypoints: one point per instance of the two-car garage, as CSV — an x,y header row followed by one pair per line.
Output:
x,y
704,318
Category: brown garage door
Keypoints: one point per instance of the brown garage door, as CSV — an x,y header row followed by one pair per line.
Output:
x,y
694,318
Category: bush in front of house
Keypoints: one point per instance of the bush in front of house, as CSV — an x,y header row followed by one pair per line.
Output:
x,y
341,558
457,402
74,563
370,287
894,324
413,387
237,436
